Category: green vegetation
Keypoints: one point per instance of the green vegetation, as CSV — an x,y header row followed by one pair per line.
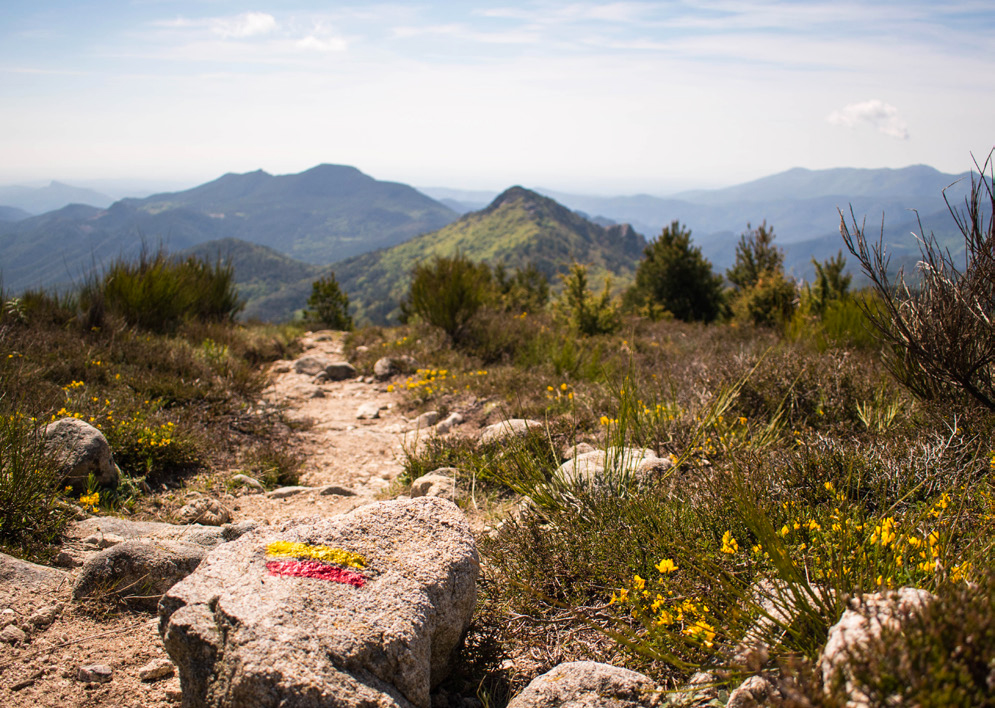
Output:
x,y
803,477
157,293
674,279
172,394
328,305
761,294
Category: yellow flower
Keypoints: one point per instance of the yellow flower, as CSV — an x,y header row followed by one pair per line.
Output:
x,y
729,544
666,566
622,596
563,387
638,583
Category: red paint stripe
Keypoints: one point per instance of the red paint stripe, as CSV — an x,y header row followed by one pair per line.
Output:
x,y
314,569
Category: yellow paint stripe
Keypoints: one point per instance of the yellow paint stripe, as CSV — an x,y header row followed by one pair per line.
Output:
x,y
292,549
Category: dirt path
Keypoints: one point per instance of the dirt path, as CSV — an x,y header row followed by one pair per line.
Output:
x,y
349,462
358,456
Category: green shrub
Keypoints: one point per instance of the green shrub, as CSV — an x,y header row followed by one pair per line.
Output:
x,y
32,515
587,313
447,293
675,278
157,293
768,302
328,305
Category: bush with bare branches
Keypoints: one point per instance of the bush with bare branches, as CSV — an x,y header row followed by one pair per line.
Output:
x,y
940,327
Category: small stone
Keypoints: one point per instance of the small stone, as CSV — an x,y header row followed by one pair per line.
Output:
x,y
446,426
514,427
284,492
156,669
12,634
251,483
434,485
95,673
45,616
208,512
337,490
368,411
425,420
340,370
577,450
7,617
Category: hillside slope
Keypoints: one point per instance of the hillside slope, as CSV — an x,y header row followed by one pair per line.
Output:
x,y
518,228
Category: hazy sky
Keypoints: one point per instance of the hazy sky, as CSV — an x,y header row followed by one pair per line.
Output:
x,y
610,97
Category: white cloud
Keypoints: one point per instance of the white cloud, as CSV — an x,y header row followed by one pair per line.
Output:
x,y
881,116
328,44
248,24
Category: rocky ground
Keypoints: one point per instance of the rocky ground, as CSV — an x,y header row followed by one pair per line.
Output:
x,y
48,638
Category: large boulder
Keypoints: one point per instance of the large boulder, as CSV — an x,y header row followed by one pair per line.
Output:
x,y
138,571
513,427
588,684
592,468
363,609
81,450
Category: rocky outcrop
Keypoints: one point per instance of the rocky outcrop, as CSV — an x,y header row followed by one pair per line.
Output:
x,y
362,609
860,626
138,571
588,684
81,450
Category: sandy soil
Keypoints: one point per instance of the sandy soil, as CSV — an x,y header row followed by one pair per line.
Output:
x,y
361,457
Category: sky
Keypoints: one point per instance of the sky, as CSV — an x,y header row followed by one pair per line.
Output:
x,y
595,97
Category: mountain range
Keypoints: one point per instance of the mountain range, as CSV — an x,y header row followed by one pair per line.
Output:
x,y
283,231
518,228
322,215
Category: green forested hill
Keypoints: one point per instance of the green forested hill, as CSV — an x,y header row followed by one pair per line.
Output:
x,y
518,228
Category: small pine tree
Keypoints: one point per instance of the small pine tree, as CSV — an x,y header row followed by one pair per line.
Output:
x,y
328,304
756,254
589,314
831,283
674,277
762,295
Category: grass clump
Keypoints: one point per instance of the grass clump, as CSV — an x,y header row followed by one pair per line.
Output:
x,y
33,512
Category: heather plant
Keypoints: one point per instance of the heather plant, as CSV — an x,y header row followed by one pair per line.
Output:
x,y
938,328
